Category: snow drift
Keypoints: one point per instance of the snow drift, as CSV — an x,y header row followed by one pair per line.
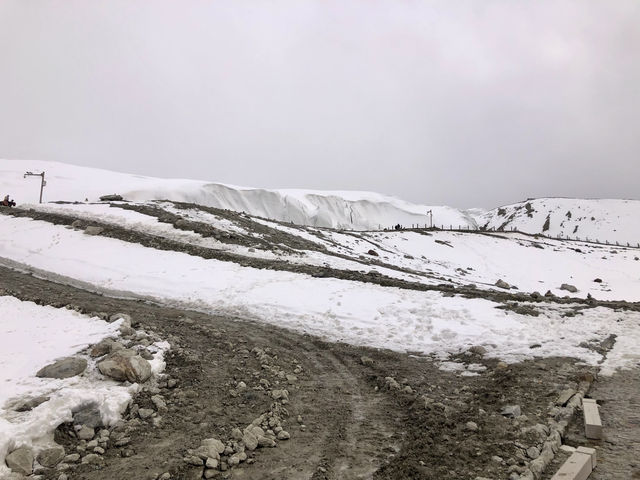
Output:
x,y
348,210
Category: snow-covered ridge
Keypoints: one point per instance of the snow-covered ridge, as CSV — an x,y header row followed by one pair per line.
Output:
x,y
602,220
336,209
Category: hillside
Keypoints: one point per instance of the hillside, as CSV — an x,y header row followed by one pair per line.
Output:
x,y
334,209
596,219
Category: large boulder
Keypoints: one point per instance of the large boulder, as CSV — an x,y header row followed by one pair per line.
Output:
x,y
64,368
88,415
125,365
20,460
50,457
568,287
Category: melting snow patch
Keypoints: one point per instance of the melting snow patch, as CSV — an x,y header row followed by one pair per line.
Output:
x,y
33,336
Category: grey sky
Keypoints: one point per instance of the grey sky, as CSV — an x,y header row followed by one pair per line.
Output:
x,y
465,103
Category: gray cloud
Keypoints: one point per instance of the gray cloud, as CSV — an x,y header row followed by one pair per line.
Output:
x,y
463,103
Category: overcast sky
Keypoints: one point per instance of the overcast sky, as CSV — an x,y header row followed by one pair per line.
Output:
x,y
465,103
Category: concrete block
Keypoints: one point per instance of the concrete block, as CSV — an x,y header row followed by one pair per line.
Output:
x,y
589,451
592,423
577,467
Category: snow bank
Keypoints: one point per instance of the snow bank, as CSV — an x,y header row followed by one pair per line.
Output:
x,y
32,336
352,210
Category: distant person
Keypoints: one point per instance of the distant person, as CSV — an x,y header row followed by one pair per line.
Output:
x,y
7,202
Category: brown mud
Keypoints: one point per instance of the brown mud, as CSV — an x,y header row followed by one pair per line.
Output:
x,y
357,423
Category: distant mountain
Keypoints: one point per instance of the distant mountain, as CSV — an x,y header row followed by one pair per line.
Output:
x,y
597,219
336,209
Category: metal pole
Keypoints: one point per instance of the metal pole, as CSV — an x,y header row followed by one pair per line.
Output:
x,y
41,186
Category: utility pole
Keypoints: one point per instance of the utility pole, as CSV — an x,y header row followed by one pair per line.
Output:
x,y
42,180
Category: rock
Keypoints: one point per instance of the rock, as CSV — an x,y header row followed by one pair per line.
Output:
x,y
193,460
212,462
63,476
241,386
126,318
471,426
236,458
159,403
568,288
145,412
502,365
88,415
391,383
266,442
250,440
30,404
597,280
511,411
236,434
122,365
502,284
533,452
478,350
213,444
64,368
373,253
101,348
280,394
283,435
20,460
111,198
366,361
50,457
92,459
210,473
291,379
122,442
72,458
565,396
85,433
77,224
98,450
93,230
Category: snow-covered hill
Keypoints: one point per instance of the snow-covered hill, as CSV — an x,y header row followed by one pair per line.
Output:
x,y
598,219
350,210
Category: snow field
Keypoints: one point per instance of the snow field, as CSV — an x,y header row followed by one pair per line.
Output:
x,y
339,310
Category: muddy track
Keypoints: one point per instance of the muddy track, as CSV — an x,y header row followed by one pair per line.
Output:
x,y
161,243
356,425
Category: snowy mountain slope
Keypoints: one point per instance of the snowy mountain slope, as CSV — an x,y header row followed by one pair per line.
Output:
x,y
597,219
458,258
351,210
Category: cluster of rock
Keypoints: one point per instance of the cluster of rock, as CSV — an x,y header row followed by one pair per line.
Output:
x,y
124,363
214,456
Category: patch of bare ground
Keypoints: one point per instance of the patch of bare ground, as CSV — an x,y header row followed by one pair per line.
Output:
x,y
350,412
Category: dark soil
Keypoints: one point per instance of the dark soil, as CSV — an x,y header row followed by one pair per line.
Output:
x,y
356,427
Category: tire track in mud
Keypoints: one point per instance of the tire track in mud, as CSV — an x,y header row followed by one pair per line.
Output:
x,y
354,430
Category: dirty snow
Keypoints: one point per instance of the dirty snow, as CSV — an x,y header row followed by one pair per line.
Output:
x,y
33,336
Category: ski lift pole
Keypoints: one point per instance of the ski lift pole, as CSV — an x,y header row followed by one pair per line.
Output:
x,y
42,180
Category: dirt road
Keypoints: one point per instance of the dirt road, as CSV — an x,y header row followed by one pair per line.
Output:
x,y
351,413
